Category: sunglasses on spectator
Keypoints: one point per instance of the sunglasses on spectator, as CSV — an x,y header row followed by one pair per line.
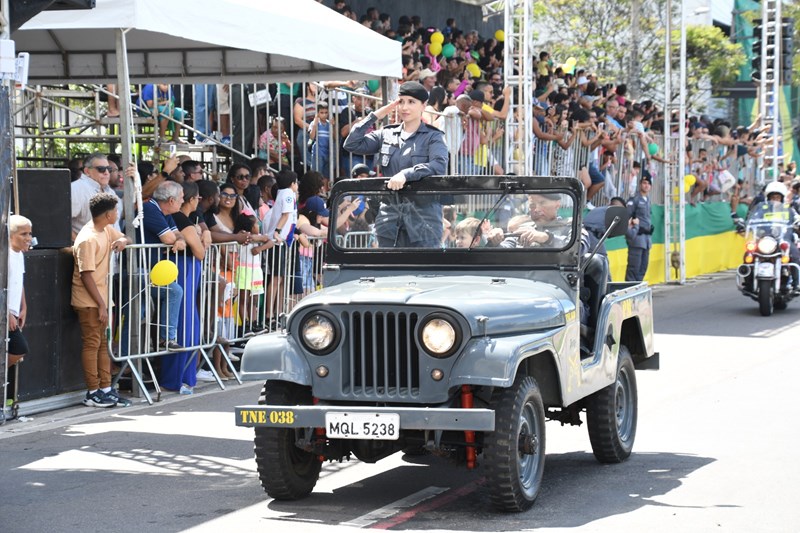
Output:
x,y
243,176
228,195
103,170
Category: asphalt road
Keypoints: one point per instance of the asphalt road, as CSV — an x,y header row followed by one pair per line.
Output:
x,y
715,451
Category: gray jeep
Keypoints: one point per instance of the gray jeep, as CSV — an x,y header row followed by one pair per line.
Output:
x,y
458,337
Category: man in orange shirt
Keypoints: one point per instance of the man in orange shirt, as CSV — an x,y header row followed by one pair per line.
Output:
x,y
92,251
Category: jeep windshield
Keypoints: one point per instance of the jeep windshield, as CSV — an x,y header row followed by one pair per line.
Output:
x,y
505,215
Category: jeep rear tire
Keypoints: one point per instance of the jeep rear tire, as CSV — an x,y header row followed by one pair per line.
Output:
x,y
515,451
286,471
611,414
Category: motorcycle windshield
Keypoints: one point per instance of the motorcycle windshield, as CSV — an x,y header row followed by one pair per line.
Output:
x,y
769,219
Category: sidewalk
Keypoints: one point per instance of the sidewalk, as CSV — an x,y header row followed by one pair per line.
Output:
x,y
80,414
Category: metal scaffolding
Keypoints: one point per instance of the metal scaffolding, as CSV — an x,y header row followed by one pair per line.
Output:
x,y
674,147
518,72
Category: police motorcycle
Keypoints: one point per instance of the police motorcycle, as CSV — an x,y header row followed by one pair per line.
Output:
x,y
770,267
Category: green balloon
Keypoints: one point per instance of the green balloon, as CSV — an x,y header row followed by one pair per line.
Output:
x,y
373,86
448,50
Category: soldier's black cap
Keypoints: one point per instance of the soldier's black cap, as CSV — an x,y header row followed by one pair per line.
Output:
x,y
414,89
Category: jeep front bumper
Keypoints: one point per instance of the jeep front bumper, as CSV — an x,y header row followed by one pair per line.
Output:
x,y
411,418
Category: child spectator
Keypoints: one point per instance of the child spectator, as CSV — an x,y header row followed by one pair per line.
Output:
x,y
265,185
249,274
92,251
279,224
320,132
274,144
20,237
467,233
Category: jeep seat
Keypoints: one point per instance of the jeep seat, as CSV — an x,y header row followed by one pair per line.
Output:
x,y
595,283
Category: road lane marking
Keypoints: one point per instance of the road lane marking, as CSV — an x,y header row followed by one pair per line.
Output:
x,y
396,507
431,505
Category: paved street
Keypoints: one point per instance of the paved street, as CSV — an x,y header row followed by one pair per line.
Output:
x,y
715,451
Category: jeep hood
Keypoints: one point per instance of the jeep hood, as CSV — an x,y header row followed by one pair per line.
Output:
x,y
509,304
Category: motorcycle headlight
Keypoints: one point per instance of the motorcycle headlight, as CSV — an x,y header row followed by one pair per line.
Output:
x,y
439,336
319,333
767,245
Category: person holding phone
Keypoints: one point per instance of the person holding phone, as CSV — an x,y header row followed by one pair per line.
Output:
x,y
408,151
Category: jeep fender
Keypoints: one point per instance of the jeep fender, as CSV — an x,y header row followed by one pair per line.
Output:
x,y
274,357
494,361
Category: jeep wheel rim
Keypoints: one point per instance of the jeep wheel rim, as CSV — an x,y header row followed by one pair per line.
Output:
x,y
624,405
528,462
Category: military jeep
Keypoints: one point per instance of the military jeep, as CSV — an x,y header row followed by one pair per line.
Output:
x,y
460,346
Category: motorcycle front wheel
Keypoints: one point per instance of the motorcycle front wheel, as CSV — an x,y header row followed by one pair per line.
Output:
x,y
765,302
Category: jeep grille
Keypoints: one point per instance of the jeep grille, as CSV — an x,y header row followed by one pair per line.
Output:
x,y
381,359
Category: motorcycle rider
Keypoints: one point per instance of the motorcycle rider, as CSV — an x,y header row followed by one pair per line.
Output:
x,y
776,193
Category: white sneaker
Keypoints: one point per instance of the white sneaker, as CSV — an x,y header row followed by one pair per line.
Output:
x,y
205,375
589,206
234,358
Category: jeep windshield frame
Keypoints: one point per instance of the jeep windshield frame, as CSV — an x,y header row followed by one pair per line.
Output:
x,y
535,244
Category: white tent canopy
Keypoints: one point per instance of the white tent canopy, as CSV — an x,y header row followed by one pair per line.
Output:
x,y
195,41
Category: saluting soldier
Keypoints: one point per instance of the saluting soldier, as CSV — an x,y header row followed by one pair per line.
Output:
x,y
408,151
639,237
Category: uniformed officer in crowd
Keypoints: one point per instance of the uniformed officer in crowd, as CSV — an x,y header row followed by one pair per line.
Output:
x,y
639,236
408,151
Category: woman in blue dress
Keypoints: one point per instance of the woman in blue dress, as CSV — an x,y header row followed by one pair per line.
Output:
x,y
179,370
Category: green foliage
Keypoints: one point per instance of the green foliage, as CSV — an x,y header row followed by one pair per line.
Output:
x,y
598,35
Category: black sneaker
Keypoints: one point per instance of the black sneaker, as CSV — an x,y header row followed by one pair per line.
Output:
x,y
119,401
171,346
98,399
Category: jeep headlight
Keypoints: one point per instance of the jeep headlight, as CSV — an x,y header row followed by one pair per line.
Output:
x,y
319,333
439,336
767,245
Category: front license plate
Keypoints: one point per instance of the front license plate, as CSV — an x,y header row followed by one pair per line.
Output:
x,y
371,426
766,270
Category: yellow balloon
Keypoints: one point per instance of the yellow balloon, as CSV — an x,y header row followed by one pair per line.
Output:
x,y
437,37
571,61
474,70
163,273
435,49
500,35
689,179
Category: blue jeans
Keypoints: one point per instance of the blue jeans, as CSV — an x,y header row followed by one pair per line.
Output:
x,y
205,99
169,300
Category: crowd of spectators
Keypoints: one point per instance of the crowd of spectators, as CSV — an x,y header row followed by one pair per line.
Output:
x,y
581,123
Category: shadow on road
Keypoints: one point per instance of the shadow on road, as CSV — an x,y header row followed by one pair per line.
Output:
x,y
577,490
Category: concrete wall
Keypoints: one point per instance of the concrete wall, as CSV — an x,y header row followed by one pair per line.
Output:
x,y
432,12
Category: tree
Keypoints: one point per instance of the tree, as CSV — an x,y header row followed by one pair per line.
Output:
x,y
598,35
711,61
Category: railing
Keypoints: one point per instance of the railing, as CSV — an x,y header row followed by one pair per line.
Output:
x,y
226,297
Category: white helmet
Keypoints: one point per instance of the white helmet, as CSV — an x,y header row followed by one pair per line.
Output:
x,y
776,187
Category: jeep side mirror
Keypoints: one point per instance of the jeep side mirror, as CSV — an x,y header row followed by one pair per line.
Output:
x,y
613,212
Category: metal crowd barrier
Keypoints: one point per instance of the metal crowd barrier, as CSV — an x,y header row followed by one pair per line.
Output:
x,y
236,295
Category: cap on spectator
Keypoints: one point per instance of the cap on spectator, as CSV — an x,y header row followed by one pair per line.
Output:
x,y
560,82
360,169
362,90
317,205
646,178
414,89
426,73
477,95
583,80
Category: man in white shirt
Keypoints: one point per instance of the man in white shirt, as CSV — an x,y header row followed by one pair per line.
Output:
x,y
20,236
95,178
